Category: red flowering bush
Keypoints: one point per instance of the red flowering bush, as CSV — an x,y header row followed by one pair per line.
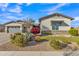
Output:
x,y
35,30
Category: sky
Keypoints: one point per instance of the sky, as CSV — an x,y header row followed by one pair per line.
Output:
x,y
19,11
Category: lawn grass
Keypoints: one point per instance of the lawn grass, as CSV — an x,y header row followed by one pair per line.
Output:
x,y
56,41
62,38
75,39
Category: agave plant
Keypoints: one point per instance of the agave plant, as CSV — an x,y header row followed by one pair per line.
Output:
x,y
28,36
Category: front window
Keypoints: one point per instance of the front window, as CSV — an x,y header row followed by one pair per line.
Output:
x,y
56,24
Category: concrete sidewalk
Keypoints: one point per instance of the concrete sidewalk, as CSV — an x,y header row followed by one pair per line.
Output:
x,y
30,53
37,53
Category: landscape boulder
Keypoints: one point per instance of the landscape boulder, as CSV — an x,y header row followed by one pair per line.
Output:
x,y
73,46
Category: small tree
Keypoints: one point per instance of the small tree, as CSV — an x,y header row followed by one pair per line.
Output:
x,y
28,23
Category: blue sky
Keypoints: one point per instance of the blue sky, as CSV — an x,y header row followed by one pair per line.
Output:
x,y
18,11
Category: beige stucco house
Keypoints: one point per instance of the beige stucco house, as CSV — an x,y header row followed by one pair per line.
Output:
x,y
56,21
13,27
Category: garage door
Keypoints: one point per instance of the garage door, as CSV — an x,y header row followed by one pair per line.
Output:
x,y
14,29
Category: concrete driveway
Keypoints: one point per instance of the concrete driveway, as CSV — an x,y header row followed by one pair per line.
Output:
x,y
4,37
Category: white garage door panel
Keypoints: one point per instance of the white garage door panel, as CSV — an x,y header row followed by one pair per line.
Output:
x,y
14,29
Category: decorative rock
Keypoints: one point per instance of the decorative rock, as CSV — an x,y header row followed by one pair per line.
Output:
x,y
73,46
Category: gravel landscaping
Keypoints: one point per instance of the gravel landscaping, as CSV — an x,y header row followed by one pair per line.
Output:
x,y
32,46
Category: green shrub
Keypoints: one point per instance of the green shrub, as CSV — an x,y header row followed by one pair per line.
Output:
x,y
29,36
55,44
73,32
58,41
19,39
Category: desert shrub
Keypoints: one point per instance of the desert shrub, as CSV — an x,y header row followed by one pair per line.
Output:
x,y
19,39
48,32
55,44
73,32
59,42
29,36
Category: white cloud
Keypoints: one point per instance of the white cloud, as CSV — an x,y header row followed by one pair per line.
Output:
x,y
75,22
10,17
58,6
28,4
3,6
20,3
17,9
77,18
55,8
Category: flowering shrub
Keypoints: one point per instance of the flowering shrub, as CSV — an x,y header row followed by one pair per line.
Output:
x,y
35,30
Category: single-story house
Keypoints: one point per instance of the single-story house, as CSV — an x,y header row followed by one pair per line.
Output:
x,y
55,22
15,26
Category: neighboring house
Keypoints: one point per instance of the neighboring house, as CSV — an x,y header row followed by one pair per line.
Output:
x,y
2,28
55,22
15,26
